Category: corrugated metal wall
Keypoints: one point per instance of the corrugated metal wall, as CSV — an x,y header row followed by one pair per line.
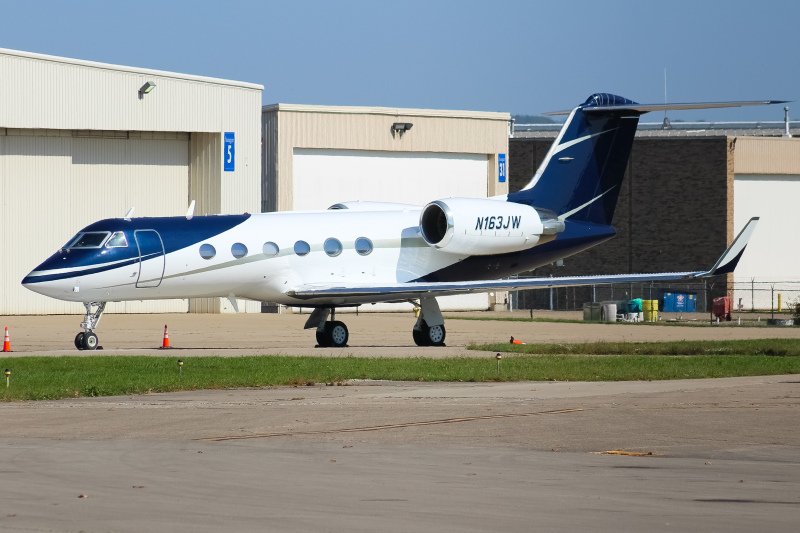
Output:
x,y
72,94
766,155
53,183
269,162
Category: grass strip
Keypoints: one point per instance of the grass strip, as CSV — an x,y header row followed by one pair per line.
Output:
x,y
49,378
751,347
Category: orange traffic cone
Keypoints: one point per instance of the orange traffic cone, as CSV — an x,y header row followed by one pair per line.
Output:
x,y
515,341
165,344
6,343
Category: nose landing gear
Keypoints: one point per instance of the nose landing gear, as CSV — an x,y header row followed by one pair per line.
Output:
x,y
87,339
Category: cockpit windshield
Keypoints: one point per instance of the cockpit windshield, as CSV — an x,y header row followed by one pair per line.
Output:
x,y
117,240
89,239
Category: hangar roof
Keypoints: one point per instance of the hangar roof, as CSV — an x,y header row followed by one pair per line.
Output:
x,y
392,111
136,70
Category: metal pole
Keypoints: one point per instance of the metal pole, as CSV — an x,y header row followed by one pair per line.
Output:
x,y
705,292
786,121
752,294
711,305
772,301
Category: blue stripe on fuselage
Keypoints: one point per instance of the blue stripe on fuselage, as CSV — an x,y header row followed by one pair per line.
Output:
x,y
176,233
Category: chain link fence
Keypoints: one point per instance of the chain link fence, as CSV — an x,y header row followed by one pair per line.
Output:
x,y
778,296
754,295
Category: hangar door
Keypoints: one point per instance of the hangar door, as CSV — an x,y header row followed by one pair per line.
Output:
x,y
321,178
55,182
773,254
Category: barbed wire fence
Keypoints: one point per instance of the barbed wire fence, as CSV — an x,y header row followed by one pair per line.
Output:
x,y
750,296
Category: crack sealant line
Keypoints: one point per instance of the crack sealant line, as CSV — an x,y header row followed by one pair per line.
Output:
x,y
387,426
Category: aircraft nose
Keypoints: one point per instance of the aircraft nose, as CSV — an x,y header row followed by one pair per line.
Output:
x,y
44,280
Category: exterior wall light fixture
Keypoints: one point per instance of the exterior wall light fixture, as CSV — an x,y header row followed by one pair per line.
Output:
x,y
146,88
400,128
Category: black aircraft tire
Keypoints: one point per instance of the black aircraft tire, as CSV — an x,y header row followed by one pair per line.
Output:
x,y
90,341
322,340
337,334
419,337
79,340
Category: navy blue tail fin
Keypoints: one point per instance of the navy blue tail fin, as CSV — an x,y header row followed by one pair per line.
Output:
x,y
581,174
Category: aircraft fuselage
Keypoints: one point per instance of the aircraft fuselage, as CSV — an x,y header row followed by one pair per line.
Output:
x,y
263,256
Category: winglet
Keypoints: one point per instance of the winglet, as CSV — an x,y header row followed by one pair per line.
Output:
x,y
731,257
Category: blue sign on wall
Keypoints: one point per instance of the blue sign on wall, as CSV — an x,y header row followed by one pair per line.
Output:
x,y
228,152
501,168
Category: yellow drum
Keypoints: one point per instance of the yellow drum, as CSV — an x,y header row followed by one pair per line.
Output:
x,y
650,309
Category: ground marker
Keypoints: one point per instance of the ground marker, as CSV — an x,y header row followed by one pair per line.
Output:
x,y
180,367
498,357
515,341
8,377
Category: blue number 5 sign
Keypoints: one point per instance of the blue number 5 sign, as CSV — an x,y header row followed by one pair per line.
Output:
x,y
229,152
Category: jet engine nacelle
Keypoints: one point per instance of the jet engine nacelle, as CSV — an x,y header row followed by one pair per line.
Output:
x,y
475,226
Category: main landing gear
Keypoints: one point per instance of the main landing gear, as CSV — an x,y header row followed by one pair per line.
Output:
x,y
330,333
87,339
425,335
428,331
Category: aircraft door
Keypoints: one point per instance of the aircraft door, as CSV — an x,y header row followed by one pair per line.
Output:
x,y
151,258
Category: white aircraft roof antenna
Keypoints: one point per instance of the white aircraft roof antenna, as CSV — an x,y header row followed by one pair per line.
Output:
x,y
129,214
190,212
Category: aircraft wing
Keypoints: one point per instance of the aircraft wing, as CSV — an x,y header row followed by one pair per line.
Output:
x,y
402,291
399,291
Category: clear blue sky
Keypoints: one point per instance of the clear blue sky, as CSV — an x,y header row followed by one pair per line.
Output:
x,y
523,57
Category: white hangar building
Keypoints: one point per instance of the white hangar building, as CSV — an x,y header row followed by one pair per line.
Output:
x,y
82,141
318,156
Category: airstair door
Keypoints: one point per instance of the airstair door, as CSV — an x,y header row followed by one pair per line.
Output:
x,y
151,258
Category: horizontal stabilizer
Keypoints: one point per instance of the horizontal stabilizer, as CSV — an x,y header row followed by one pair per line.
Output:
x,y
646,108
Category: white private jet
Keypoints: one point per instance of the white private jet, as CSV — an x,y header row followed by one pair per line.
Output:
x,y
364,252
